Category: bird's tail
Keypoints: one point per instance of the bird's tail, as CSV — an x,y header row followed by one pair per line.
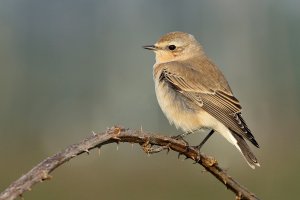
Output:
x,y
246,151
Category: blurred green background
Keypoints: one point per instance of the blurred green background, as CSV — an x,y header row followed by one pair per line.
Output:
x,y
70,67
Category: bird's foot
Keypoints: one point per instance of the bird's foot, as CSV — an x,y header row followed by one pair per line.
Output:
x,y
149,149
180,138
197,147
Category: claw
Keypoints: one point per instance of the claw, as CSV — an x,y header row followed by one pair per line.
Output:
x,y
238,196
196,161
156,150
180,138
147,147
177,137
197,157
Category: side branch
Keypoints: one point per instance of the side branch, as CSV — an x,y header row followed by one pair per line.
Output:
x,y
115,135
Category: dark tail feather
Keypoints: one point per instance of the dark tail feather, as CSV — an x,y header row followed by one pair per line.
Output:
x,y
246,151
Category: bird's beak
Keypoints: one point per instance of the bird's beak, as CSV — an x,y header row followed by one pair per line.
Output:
x,y
150,47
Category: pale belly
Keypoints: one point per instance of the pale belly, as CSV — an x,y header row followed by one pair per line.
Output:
x,y
185,114
177,108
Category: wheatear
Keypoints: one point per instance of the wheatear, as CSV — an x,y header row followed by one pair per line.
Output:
x,y
193,93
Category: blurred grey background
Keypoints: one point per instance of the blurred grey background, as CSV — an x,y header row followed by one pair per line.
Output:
x,y
71,67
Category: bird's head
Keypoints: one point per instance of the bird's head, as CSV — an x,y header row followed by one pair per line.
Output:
x,y
175,46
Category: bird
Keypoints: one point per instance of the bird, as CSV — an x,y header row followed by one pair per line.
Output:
x,y
194,94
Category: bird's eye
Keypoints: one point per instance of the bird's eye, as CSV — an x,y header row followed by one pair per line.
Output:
x,y
172,47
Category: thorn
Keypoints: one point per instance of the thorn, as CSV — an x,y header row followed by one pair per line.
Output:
x,y
94,134
131,145
141,128
168,147
184,159
197,159
99,151
179,154
117,146
116,138
29,189
45,176
87,151
238,196
168,150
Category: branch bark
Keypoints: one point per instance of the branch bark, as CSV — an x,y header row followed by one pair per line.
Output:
x,y
115,135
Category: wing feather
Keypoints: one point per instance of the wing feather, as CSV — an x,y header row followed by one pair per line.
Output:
x,y
220,104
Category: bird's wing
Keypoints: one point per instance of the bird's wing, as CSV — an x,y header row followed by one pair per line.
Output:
x,y
209,95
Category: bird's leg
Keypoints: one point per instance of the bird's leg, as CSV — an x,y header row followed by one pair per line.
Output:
x,y
181,136
150,150
204,140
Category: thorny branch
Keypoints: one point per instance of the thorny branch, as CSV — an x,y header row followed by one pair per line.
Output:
x,y
115,135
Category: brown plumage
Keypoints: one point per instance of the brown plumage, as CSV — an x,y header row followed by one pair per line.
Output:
x,y
193,93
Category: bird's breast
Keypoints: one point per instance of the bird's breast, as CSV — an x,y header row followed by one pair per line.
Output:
x,y
179,110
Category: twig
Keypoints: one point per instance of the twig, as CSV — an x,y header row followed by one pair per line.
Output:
x,y
117,134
